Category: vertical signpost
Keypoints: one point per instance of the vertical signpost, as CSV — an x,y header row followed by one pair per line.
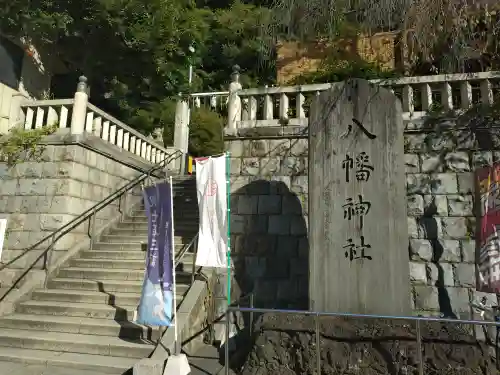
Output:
x,y
359,237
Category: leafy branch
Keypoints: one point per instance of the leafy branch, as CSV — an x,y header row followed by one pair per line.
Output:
x,y
24,145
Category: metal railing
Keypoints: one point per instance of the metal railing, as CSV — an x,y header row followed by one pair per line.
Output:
x,y
90,215
316,314
184,250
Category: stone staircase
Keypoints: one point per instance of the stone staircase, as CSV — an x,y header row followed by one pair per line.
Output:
x,y
82,320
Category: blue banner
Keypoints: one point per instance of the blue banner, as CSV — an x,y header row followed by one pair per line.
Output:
x,y
156,305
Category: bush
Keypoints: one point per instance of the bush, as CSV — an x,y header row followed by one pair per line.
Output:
x,y
206,134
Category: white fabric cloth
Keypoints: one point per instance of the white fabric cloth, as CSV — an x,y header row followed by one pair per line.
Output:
x,y
212,203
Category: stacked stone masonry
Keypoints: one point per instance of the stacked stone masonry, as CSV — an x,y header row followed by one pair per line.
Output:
x,y
442,216
39,197
269,198
269,219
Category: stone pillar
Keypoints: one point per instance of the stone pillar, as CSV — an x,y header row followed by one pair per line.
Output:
x,y
234,102
181,130
80,107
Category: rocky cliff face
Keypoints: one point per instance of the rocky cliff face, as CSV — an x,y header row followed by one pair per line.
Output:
x,y
287,345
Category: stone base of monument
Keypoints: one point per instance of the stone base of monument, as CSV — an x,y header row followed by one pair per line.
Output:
x,y
177,364
287,344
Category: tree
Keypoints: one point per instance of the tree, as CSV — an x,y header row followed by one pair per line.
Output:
x,y
447,32
135,53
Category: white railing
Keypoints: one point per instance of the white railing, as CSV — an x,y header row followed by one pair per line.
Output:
x,y
82,117
216,100
287,105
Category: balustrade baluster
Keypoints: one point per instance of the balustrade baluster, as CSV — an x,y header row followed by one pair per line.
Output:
x,y
89,122
268,107
213,101
97,127
407,99
112,134
126,141
446,96
143,149
105,131
52,117
138,146
132,143
426,97
300,106
119,138
63,117
283,106
28,121
245,110
40,112
465,95
252,103
486,92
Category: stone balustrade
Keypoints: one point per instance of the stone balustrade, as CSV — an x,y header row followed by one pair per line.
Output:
x,y
288,105
80,117
213,100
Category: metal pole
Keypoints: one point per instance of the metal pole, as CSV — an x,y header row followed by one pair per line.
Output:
x,y
251,314
226,348
318,358
419,348
48,258
92,229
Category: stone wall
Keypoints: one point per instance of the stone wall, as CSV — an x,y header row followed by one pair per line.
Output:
x,y
269,219
39,197
294,59
269,190
441,218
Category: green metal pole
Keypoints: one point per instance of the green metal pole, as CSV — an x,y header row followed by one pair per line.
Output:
x,y
228,168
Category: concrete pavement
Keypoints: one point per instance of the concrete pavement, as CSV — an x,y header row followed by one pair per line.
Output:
x,y
10,368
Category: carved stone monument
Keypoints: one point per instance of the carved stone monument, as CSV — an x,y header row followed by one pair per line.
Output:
x,y
357,207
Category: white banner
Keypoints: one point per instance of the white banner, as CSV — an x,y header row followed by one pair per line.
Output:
x,y
212,203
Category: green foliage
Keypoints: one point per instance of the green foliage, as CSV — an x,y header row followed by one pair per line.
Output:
x,y
145,60
205,133
23,145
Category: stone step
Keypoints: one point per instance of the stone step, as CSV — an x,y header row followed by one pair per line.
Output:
x,y
106,286
132,239
113,253
111,274
86,296
186,218
124,264
73,343
138,264
186,226
127,246
187,215
101,274
127,232
130,250
97,363
75,309
86,326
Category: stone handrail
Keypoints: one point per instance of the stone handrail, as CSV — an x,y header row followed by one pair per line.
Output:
x,y
87,118
278,106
